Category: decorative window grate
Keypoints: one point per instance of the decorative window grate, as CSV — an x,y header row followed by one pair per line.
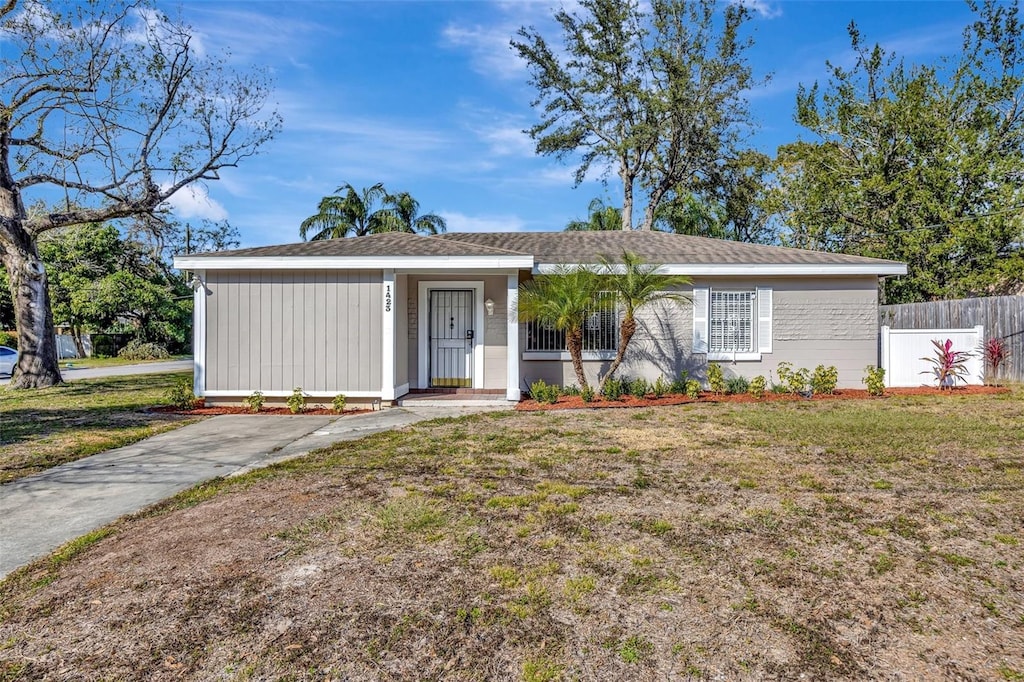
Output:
x,y
732,322
600,332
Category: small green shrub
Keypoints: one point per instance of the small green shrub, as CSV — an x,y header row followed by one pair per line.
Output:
x,y
737,385
587,394
678,385
8,339
181,396
824,380
692,389
612,389
794,381
716,378
874,379
254,401
757,387
638,388
338,404
660,387
143,350
542,392
571,389
296,402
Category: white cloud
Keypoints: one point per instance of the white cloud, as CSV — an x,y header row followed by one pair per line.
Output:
x,y
193,201
489,48
766,9
460,222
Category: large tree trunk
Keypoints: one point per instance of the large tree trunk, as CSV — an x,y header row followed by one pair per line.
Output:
x,y
627,199
76,335
37,365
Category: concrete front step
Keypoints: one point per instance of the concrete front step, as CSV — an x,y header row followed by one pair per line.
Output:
x,y
496,402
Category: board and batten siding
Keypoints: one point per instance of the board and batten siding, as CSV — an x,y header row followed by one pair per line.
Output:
x,y
277,330
828,321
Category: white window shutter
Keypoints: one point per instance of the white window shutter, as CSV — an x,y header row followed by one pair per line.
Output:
x,y
764,320
701,314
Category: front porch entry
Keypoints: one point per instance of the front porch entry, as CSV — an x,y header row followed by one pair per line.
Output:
x,y
451,338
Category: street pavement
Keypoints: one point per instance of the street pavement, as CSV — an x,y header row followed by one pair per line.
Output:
x,y
40,513
73,373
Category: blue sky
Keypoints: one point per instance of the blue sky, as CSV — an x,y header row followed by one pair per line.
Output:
x,y
427,97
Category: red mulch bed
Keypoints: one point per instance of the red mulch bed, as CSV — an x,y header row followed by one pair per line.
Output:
x,y
576,402
209,411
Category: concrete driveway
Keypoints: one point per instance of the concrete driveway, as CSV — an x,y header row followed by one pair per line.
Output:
x,y
73,373
40,513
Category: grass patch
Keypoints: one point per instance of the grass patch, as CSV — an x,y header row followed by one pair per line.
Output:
x,y
47,427
733,541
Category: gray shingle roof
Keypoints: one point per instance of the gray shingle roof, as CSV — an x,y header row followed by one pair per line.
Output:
x,y
552,248
653,247
386,244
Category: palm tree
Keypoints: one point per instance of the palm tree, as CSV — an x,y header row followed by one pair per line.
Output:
x,y
402,214
563,301
636,284
351,213
600,217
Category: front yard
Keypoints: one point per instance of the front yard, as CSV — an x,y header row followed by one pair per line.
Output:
x,y
873,539
44,428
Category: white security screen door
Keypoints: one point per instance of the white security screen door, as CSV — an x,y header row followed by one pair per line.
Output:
x,y
451,338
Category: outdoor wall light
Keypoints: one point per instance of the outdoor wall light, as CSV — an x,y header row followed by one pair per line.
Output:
x,y
489,304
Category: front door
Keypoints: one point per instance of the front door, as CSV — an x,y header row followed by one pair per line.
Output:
x,y
451,338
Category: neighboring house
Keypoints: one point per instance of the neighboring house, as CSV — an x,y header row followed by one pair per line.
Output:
x,y
377,316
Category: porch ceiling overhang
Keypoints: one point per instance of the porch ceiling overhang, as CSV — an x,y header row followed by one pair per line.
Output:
x,y
481,263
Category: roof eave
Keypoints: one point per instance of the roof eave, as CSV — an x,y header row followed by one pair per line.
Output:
x,y
479,262
754,269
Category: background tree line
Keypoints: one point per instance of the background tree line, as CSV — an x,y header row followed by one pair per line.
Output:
x,y
922,163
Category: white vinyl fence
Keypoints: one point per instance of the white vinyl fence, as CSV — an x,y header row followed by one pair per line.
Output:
x,y
902,350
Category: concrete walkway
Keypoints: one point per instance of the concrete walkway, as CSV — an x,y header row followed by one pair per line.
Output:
x,y
40,513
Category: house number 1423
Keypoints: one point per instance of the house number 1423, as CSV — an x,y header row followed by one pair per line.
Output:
x,y
387,298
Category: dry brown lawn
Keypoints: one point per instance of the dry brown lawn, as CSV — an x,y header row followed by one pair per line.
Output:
x,y
858,540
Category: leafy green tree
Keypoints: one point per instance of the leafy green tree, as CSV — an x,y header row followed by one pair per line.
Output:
x,y
918,163
346,213
637,285
402,214
656,97
374,210
690,214
563,301
600,217
108,105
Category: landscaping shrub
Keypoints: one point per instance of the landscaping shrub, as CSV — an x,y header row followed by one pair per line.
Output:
x,y
638,388
587,394
296,402
181,395
571,389
143,350
716,378
692,389
794,381
678,385
874,379
948,365
757,387
824,380
338,404
254,401
995,351
612,389
660,387
737,385
544,393
8,339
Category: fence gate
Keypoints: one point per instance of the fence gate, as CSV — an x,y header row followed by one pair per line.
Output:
x,y
903,350
451,338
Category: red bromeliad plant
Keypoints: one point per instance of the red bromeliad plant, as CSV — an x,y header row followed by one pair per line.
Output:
x,y
948,365
996,353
